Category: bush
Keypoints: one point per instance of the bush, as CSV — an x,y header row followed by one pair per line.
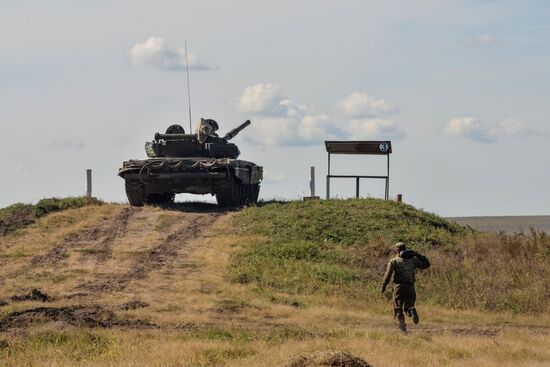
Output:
x,y
19,215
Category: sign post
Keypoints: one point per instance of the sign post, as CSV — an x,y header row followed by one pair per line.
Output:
x,y
89,183
356,148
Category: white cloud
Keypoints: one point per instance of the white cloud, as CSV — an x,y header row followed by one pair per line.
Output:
x,y
298,130
278,120
473,128
479,40
267,100
157,53
362,105
374,129
515,127
470,127
314,127
61,143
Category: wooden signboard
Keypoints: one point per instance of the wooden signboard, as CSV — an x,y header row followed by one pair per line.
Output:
x,y
359,147
375,147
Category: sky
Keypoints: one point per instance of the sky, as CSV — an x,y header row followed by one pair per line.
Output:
x,y
461,88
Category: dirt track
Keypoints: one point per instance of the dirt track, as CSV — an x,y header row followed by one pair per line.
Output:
x,y
119,248
87,316
98,239
179,243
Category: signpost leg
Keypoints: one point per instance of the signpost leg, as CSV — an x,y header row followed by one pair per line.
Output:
x,y
328,178
89,183
312,181
388,179
357,187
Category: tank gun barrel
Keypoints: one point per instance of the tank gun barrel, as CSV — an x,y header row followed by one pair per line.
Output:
x,y
232,133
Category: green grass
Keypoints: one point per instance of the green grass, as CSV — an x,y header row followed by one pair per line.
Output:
x,y
348,222
341,247
73,345
19,215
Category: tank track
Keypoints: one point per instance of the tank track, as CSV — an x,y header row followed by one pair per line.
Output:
x,y
238,194
135,192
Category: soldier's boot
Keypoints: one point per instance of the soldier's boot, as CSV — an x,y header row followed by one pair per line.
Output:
x,y
414,314
400,319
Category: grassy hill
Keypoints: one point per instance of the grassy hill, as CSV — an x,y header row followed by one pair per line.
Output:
x,y
264,286
327,247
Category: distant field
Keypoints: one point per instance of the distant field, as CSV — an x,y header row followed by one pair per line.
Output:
x,y
508,224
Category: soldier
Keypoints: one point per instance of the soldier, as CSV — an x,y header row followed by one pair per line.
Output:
x,y
403,268
206,128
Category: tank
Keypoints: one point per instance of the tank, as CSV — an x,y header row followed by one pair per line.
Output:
x,y
200,163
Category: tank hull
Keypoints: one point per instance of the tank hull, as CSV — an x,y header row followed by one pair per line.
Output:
x,y
234,182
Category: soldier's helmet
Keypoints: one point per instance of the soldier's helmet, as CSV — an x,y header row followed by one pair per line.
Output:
x,y
399,247
213,124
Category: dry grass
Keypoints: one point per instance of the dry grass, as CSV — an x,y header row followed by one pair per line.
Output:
x,y
204,318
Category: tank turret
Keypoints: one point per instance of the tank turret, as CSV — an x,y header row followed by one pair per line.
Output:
x,y
204,143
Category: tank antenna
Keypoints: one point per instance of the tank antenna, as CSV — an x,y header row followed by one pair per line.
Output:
x,y
188,88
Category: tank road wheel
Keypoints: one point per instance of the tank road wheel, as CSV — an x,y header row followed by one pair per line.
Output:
x,y
135,191
238,194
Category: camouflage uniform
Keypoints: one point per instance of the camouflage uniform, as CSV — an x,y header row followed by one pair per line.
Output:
x,y
403,268
206,128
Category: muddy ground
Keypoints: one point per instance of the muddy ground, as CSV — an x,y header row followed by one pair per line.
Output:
x,y
180,233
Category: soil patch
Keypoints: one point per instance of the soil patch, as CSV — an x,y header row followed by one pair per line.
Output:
x,y
97,240
83,316
76,295
162,256
133,305
328,358
34,295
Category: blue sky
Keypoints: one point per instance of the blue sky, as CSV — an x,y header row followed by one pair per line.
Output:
x,y
460,87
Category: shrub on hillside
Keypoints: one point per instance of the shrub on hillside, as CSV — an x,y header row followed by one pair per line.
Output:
x,y
20,215
46,206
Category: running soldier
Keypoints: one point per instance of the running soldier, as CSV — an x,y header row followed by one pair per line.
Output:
x,y
403,268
